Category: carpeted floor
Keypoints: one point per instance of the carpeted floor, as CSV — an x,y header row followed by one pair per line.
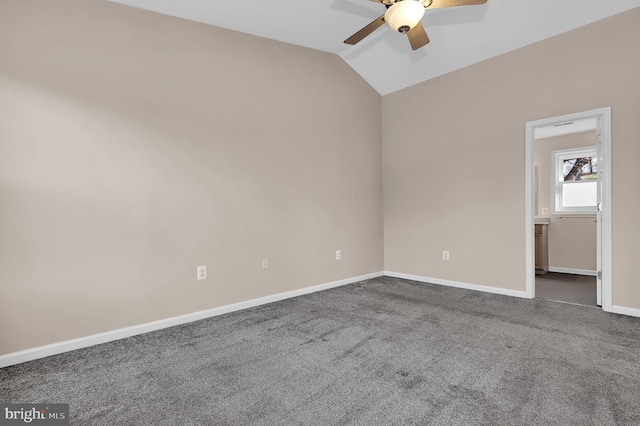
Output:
x,y
380,352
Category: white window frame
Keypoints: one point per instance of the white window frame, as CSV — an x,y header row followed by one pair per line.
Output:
x,y
557,179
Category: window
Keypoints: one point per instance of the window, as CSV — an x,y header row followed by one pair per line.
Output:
x,y
575,180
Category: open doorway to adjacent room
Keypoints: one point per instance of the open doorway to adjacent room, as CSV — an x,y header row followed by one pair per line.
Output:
x,y
568,208
565,200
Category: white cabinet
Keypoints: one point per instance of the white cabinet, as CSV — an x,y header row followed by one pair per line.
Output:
x,y
542,249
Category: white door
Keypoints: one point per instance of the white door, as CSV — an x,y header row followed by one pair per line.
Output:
x,y
599,215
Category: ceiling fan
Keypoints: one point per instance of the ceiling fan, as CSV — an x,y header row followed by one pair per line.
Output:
x,y
405,15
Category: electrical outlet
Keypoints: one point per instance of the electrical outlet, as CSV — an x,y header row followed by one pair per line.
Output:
x,y
265,264
201,272
338,254
545,211
445,255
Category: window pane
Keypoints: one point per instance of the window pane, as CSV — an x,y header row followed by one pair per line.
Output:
x,y
577,169
582,194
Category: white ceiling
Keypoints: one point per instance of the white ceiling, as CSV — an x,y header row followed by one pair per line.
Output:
x,y
460,36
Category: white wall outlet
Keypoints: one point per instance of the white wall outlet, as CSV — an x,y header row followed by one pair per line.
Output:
x,y
265,264
445,255
201,272
545,211
338,254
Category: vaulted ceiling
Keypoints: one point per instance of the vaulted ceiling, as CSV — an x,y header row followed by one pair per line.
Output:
x,y
460,36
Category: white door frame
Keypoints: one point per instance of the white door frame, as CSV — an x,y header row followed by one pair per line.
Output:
x,y
603,115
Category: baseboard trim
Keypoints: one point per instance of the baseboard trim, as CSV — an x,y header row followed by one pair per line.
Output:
x,y
467,286
573,271
633,312
96,339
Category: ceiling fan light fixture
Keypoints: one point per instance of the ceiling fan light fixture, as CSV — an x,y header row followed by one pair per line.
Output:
x,y
404,15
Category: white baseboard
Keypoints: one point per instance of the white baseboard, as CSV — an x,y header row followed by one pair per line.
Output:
x,y
633,312
573,271
96,339
475,287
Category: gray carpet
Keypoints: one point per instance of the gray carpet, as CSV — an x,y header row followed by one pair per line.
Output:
x,y
380,352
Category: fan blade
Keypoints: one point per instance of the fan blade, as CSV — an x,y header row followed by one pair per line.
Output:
x,y
418,37
437,4
366,30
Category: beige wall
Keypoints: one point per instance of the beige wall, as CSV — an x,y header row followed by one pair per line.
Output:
x,y
572,240
134,147
453,154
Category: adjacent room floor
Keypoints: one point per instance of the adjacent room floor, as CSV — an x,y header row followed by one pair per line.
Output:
x,y
579,289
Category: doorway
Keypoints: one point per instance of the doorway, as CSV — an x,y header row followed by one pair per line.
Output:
x,y
565,199
595,126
